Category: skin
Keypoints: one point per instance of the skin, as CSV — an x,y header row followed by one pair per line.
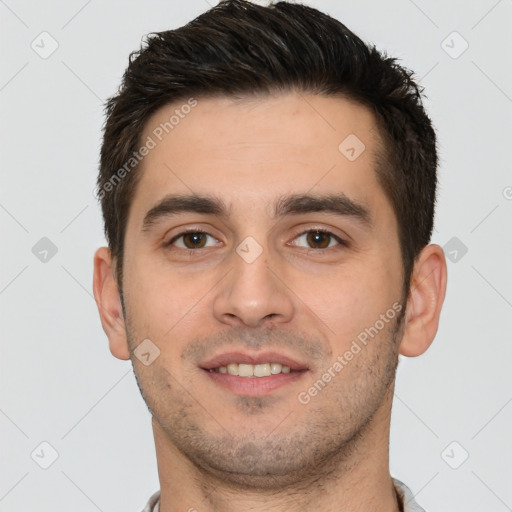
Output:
x,y
218,450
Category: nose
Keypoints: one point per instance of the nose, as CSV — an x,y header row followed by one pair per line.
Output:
x,y
253,295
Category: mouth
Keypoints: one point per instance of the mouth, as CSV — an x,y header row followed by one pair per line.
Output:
x,y
252,370
253,375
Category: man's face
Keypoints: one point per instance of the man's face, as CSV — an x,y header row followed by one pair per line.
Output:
x,y
270,271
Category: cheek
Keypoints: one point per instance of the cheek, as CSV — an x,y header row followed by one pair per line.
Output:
x,y
348,301
163,304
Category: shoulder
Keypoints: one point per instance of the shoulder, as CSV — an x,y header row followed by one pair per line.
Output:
x,y
153,505
410,504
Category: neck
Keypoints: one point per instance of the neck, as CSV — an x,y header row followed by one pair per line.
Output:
x,y
353,482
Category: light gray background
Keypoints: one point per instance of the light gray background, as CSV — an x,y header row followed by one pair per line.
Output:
x,y
58,381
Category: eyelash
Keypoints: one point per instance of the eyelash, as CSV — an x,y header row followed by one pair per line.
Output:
x,y
341,242
183,233
322,251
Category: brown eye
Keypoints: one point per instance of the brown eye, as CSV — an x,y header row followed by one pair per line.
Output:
x,y
318,239
192,240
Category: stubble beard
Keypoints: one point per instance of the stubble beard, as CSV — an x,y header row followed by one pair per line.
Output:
x,y
327,442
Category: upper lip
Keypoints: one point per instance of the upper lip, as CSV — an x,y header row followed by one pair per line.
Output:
x,y
247,358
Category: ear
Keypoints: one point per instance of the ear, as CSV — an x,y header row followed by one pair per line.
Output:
x,y
426,296
108,300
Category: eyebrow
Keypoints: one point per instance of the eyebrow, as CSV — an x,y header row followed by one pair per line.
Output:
x,y
338,204
175,204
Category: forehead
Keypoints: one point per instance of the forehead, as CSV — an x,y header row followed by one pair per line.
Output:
x,y
252,150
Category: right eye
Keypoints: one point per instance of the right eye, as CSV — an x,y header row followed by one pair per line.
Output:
x,y
191,240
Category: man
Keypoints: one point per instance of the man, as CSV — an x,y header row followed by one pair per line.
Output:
x,y
268,185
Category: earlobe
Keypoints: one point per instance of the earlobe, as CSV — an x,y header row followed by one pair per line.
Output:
x,y
108,300
426,296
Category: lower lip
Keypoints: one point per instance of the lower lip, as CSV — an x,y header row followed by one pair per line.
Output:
x,y
254,386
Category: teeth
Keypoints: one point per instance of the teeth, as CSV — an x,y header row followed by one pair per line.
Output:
x,y
262,370
232,369
245,370
275,368
253,370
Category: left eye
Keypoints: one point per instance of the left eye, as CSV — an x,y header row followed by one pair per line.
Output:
x,y
192,240
317,239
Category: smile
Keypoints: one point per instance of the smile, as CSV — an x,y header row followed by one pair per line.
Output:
x,y
252,370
